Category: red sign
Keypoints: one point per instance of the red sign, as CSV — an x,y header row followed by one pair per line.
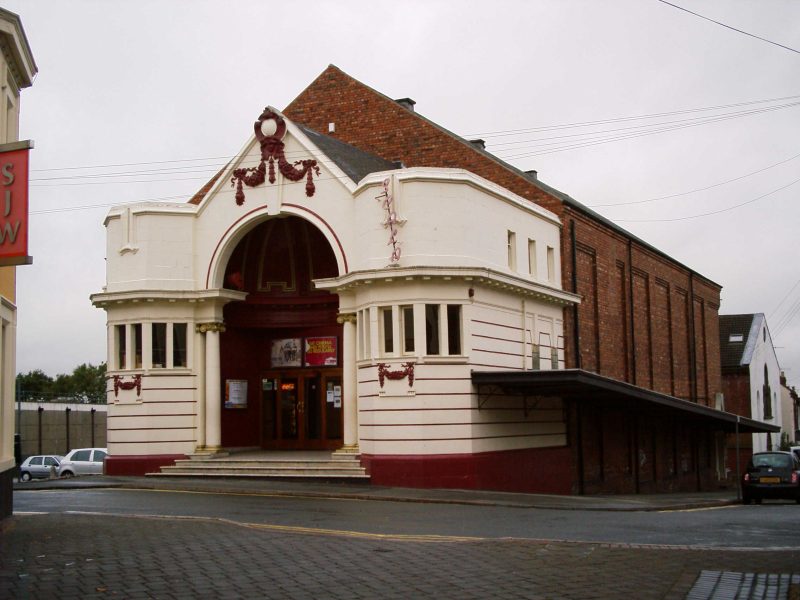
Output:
x,y
14,204
321,351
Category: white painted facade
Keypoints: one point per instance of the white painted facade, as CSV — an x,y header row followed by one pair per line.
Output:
x,y
477,260
762,361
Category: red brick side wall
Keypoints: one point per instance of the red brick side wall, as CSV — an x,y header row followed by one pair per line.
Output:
x,y
670,341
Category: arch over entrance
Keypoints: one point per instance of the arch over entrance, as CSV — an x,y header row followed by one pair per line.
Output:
x,y
281,349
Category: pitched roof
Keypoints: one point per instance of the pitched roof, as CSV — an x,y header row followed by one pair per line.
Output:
x,y
364,112
356,163
737,339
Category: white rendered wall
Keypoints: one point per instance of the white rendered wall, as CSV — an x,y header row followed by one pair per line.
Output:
x,y
164,261
764,354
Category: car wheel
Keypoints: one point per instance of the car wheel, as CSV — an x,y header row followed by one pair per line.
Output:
x,y
27,477
67,474
746,499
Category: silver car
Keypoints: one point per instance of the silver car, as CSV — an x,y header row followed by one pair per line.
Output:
x,y
39,467
83,461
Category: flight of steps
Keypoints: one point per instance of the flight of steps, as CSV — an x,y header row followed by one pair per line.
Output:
x,y
337,466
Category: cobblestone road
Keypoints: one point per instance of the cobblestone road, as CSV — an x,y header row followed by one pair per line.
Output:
x,y
90,556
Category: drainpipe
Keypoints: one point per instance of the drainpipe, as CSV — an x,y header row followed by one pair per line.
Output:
x,y
692,343
576,329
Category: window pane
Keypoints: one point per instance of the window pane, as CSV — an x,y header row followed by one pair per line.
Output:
x,y
432,328
407,313
120,342
388,334
82,455
179,344
454,328
159,345
137,346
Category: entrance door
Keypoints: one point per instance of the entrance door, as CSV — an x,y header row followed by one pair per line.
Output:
x,y
301,410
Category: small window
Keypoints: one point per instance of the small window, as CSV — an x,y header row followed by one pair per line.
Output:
x,y
36,461
432,329
454,328
179,331
407,325
512,250
765,334
120,343
159,345
99,455
532,258
49,461
736,337
388,333
137,346
551,264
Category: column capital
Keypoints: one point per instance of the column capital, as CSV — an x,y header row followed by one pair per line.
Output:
x,y
214,326
346,318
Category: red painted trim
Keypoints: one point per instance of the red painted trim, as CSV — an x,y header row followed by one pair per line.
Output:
x,y
333,233
460,439
260,208
138,465
539,471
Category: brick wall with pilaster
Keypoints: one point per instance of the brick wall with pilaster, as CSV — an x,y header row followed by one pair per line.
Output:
x,y
661,347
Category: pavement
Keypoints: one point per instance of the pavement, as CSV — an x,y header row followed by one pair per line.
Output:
x,y
322,489
75,556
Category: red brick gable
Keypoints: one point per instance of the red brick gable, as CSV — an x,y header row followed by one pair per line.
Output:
x,y
375,123
645,318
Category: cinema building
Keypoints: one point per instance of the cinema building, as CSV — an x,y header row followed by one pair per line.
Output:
x,y
435,316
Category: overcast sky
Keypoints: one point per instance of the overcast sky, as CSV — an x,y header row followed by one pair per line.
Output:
x,y
170,90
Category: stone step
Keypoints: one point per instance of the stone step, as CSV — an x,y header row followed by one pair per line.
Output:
x,y
342,467
274,470
293,476
268,463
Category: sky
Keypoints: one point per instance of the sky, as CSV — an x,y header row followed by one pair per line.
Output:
x,y
683,131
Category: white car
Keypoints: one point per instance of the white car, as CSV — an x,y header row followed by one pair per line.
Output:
x,y
83,461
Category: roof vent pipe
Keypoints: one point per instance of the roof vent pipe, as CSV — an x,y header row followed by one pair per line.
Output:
x,y
532,174
406,103
481,144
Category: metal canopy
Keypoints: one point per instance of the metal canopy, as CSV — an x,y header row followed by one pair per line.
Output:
x,y
584,386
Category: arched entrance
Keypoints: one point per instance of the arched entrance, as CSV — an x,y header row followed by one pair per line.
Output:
x,y
281,349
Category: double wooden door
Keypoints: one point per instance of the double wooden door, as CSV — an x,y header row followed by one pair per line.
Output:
x,y
301,409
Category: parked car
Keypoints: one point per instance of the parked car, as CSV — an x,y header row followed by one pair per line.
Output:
x,y
83,461
38,467
771,475
796,451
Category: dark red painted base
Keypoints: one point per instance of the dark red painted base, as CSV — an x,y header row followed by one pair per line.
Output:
x,y
532,471
137,465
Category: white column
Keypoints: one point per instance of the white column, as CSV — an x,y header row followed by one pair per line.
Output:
x,y
349,381
213,386
200,369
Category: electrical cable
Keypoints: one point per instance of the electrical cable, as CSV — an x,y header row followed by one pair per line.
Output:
x,y
715,212
728,26
703,189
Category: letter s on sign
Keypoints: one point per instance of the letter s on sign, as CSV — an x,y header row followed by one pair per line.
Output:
x,y
8,174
